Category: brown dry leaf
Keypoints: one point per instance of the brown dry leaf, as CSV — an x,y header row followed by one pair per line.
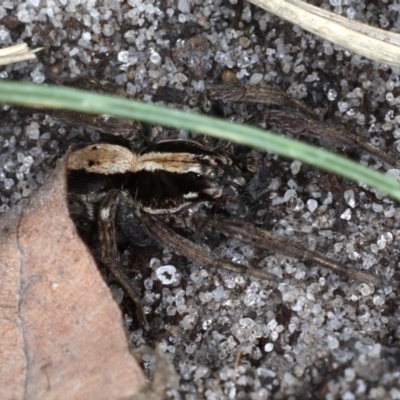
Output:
x,y
62,334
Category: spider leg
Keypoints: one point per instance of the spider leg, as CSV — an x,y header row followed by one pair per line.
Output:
x,y
109,250
248,233
334,133
167,236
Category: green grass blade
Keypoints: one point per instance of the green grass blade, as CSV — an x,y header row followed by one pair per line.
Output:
x,y
43,96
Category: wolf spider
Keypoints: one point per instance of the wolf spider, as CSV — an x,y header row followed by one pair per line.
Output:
x,y
161,188
155,190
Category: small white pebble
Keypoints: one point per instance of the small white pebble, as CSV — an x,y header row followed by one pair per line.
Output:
x,y
348,396
312,205
365,289
289,194
333,343
377,207
346,215
255,79
295,167
332,94
123,56
349,197
166,274
183,6
268,347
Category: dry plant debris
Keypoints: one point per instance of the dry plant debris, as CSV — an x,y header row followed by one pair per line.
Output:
x,y
61,331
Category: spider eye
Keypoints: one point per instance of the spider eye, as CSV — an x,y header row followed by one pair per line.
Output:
x,y
212,175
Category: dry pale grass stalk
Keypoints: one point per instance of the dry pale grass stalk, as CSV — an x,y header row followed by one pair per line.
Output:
x,y
17,53
373,43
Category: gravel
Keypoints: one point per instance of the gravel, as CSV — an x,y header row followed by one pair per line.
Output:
x,y
311,335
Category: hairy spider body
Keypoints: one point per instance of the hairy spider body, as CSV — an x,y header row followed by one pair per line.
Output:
x,y
143,191
171,177
162,178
